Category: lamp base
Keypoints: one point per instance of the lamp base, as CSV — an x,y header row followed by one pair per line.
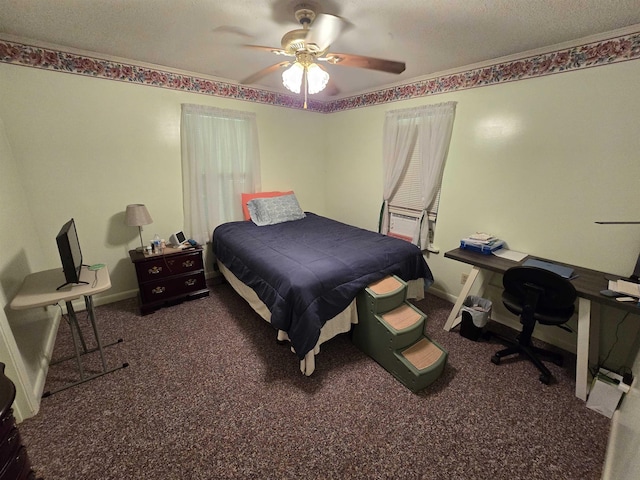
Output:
x,y
141,247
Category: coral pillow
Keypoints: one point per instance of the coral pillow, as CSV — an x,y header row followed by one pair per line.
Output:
x,y
250,196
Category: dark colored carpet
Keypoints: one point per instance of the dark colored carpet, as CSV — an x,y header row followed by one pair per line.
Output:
x,y
210,395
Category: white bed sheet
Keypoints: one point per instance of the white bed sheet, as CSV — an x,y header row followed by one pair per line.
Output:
x,y
341,323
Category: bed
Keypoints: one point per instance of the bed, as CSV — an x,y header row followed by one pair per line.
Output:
x,y
303,275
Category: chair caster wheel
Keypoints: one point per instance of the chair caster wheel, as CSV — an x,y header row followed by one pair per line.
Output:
x,y
495,359
545,379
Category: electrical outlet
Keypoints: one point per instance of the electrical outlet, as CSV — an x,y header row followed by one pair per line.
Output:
x,y
463,278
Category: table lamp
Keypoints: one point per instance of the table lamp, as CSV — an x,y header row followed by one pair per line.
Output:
x,y
136,216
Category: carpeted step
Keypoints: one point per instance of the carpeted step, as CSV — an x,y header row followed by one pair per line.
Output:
x,y
424,362
385,294
385,320
403,325
423,354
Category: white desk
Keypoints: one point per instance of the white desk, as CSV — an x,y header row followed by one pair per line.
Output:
x,y
588,284
40,290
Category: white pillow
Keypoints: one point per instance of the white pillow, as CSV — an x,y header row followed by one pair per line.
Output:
x,y
269,211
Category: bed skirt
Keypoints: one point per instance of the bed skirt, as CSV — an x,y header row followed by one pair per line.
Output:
x,y
341,323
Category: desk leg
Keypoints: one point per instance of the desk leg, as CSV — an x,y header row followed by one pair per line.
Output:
x,y
88,301
453,316
587,346
73,325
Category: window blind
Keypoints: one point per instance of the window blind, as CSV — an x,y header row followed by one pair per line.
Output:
x,y
408,196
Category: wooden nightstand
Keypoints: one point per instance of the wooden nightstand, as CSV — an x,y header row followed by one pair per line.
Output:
x,y
14,461
169,278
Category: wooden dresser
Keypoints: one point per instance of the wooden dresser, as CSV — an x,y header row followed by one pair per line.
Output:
x,y
14,461
169,278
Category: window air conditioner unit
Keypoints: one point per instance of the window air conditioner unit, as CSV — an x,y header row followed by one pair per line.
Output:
x,y
402,223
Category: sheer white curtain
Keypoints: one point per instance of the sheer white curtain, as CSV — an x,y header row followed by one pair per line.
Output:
x,y
220,161
431,125
397,145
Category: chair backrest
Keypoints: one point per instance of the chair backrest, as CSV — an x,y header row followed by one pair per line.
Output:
x,y
553,291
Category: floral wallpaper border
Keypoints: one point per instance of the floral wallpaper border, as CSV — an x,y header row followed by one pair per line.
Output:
x,y
605,52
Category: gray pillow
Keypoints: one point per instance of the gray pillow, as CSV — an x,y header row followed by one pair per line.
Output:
x,y
269,211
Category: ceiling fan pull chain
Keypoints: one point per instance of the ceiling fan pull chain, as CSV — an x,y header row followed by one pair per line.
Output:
x,y
306,87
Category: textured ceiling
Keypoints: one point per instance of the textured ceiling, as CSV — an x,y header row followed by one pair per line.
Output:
x,y
207,36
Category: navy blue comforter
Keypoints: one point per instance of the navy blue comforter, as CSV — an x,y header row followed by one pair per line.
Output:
x,y
309,270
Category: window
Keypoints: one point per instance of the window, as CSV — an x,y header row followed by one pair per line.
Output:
x,y
220,161
405,206
416,142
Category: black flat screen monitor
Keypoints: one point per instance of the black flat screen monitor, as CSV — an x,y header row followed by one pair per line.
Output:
x,y
70,253
635,276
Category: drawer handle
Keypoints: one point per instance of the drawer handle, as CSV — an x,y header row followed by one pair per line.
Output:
x,y
13,435
158,290
188,263
191,282
155,270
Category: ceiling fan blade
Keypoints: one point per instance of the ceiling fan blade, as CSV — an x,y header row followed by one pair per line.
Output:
x,y
232,30
359,61
331,89
277,51
263,73
324,30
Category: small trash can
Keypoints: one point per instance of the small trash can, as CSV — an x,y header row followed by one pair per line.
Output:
x,y
475,314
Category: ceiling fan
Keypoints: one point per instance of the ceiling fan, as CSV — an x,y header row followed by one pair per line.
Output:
x,y
309,45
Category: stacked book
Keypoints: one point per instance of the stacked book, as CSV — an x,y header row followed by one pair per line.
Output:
x,y
624,287
481,242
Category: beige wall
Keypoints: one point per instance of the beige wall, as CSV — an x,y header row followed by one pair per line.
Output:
x,y
535,162
80,147
86,148
20,255
622,461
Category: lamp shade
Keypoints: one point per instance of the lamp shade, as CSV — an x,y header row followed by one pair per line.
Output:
x,y
137,215
292,77
317,78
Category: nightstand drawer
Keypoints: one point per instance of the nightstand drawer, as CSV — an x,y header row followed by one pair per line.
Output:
x,y
165,280
166,266
163,289
6,424
9,447
18,467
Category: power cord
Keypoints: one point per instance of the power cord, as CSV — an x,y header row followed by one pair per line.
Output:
x,y
94,268
594,371
627,375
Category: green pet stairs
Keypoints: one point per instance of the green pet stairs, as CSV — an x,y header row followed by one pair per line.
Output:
x,y
391,331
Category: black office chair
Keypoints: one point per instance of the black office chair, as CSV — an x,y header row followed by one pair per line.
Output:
x,y
536,295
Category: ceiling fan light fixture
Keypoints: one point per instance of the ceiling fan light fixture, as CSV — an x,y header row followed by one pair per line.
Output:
x,y
317,78
292,77
310,44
